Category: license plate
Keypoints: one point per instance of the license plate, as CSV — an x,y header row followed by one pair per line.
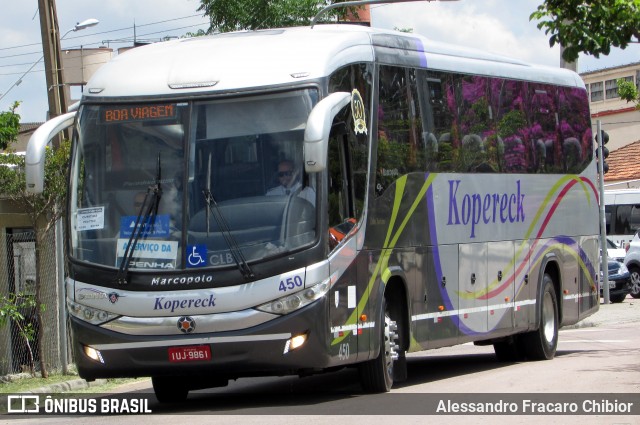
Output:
x,y
189,353
612,285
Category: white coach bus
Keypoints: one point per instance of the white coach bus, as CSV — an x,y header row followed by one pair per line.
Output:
x,y
622,212
291,201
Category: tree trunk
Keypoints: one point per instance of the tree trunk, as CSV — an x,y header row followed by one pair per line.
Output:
x,y
25,334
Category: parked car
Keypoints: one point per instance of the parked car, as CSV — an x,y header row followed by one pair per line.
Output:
x,y
614,252
632,261
619,282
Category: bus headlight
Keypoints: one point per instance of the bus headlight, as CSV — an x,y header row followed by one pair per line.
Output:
x,y
89,314
293,302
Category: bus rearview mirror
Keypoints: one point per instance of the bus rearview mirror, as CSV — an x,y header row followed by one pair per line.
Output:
x,y
316,133
36,150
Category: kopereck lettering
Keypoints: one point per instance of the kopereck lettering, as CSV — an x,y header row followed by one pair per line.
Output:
x,y
162,304
476,208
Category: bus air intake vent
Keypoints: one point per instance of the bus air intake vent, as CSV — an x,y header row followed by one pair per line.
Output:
x,y
194,85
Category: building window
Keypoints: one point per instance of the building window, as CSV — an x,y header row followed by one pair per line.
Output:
x,y
611,87
596,91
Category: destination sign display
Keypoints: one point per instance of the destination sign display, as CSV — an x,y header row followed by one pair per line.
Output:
x,y
131,113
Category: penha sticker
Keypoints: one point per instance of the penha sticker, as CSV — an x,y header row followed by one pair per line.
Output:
x,y
357,109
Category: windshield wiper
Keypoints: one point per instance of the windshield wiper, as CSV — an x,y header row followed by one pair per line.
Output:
x,y
213,208
145,220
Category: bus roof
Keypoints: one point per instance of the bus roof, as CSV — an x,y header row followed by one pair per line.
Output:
x,y
276,57
622,196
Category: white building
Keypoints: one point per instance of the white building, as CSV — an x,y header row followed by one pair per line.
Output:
x,y
618,117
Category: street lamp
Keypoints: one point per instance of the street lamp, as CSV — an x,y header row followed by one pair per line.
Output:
x,y
79,26
91,22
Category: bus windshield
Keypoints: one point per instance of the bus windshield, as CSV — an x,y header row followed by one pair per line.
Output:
x,y
176,185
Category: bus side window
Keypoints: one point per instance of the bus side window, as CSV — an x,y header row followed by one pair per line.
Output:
x,y
348,155
608,216
402,145
623,215
347,165
634,219
341,211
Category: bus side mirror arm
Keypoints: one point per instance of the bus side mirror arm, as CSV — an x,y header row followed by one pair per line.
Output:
x,y
34,159
316,134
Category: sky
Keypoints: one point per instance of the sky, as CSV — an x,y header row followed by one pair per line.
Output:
x,y
499,26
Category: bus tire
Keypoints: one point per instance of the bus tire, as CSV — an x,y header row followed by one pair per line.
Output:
x,y
400,373
542,343
508,350
376,375
169,390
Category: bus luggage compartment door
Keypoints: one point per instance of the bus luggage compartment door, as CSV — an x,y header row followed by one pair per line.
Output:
x,y
473,288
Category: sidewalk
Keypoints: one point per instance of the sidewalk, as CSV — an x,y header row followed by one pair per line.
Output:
x,y
627,311
608,314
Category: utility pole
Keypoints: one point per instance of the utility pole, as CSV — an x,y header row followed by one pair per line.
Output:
x,y
57,105
573,66
567,65
56,91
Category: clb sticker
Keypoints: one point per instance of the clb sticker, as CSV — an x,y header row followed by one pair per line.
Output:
x,y
357,109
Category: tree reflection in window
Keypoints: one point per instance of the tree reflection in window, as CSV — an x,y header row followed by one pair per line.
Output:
x,y
440,121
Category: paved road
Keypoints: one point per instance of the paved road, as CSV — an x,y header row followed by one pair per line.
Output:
x,y
598,355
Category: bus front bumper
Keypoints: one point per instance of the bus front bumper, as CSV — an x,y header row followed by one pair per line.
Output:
x,y
268,349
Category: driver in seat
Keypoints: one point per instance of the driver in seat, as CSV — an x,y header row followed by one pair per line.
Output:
x,y
290,184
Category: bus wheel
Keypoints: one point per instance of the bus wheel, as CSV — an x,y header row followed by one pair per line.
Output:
x,y
169,390
376,375
541,344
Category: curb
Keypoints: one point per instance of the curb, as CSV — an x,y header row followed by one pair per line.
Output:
x,y
61,387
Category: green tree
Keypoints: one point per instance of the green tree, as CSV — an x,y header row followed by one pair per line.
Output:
x,y
589,26
235,15
9,126
12,310
628,91
43,210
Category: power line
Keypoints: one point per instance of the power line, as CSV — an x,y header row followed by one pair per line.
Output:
x,y
153,33
134,26
86,54
22,72
16,64
128,40
20,46
20,54
104,32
